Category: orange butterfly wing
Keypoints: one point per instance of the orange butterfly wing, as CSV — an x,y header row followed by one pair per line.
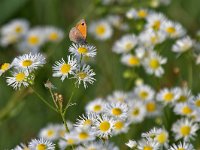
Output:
x,y
82,27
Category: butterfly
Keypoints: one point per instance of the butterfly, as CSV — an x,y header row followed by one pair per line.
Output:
x,y
78,33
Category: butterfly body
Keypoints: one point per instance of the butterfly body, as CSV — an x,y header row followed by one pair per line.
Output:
x,y
78,33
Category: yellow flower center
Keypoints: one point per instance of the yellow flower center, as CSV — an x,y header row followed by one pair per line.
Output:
x,y
50,133
5,66
154,39
65,68
133,61
27,63
156,25
100,29
151,107
136,111
41,147
147,148
116,111
82,75
171,30
70,141
53,36
161,138
82,50
154,63
97,108
20,77
142,13
185,130
129,46
197,103
83,135
119,125
87,122
143,94
168,96
104,126
18,29
186,110
33,40
181,148
62,133
182,98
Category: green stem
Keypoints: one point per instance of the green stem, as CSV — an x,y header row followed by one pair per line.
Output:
x,y
64,121
53,98
68,103
190,72
43,100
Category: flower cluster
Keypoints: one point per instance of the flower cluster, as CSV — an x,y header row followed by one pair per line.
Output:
x,y
141,49
114,115
28,39
23,69
75,66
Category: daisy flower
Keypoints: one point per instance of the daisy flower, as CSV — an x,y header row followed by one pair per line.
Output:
x,y
120,126
4,67
137,111
53,34
157,134
85,75
68,140
185,128
168,95
82,50
38,144
153,64
152,108
17,26
101,29
63,69
29,62
173,30
184,109
103,126
125,44
130,60
196,101
117,110
150,38
117,22
49,133
96,106
144,92
85,121
182,45
34,39
185,95
137,14
84,135
18,79
145,144
131,144
13,31
8,39
117,96
155,21
182,146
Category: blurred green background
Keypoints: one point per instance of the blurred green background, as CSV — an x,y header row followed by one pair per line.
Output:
x,y
28,115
